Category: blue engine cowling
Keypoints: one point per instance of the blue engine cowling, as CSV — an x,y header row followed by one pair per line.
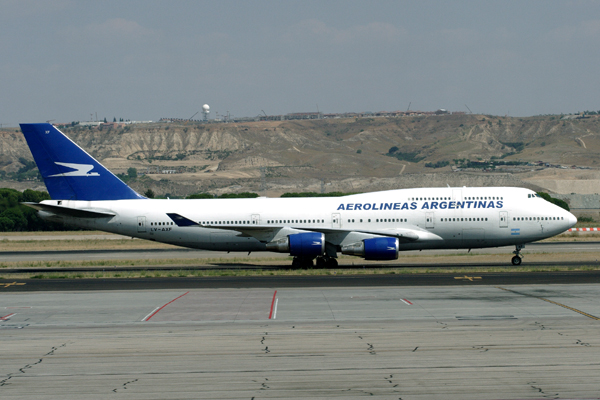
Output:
x,y
306,244
384,248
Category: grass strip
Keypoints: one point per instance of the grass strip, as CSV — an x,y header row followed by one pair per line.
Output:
x,y
293,272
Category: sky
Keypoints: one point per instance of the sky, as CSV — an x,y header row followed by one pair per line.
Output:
x,y
65,60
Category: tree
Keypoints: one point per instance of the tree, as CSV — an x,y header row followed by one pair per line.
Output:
x,y
149,193
6,224
553,200
200,196
132,173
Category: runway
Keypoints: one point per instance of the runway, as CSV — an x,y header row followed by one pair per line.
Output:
x,y
512,335
471,341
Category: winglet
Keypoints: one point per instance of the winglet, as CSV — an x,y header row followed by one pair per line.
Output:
x,y
69,172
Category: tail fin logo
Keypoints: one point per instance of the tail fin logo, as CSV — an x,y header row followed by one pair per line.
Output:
x,y
80,170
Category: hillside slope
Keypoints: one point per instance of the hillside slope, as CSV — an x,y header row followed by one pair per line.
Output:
x,y
343,153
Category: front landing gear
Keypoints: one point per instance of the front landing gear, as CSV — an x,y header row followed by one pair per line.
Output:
x,y
516,260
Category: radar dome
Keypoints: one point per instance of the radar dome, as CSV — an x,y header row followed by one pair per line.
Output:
x,y
206,107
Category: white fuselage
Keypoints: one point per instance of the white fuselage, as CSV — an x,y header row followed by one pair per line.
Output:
x,y
433,218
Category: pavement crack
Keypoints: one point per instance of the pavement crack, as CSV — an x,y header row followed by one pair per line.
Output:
x,y
391,382
541,326
371,349
262,342
264,385
415,349
125,385
5,380
51,352
24,369
534,386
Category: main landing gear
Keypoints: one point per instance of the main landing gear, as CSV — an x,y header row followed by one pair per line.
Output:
x,y
322,262
326,262
516,260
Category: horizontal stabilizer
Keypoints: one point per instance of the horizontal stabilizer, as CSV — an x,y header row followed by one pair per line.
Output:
x,y
181,220
69,212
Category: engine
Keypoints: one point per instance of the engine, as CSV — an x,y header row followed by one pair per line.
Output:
x,y
306,244
384,248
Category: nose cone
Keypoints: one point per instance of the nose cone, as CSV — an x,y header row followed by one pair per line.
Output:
x,y
571,219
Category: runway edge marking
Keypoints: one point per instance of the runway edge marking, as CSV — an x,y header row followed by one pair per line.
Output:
x,y
552,302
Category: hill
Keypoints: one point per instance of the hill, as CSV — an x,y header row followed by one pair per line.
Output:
x,y
346,154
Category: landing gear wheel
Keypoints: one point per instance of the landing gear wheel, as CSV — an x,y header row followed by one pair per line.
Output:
x,y
326,262
516,260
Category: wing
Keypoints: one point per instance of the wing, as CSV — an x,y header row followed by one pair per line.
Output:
x,y
267,233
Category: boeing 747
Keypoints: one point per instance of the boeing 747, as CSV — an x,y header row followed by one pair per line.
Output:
x,y
375,226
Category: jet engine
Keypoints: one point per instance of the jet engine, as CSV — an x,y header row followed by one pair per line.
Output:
x,y
383,248
306,244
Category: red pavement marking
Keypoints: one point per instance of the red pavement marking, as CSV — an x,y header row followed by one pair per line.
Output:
x,y
156,312
272,304
6,317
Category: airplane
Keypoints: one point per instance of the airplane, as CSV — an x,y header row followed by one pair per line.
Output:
x,y
374,226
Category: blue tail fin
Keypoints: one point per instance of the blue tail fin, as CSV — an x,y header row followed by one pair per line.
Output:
x,y
68,171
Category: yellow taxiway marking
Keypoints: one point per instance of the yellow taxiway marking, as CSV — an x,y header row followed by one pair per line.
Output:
x,y
5,285
467,278
553,302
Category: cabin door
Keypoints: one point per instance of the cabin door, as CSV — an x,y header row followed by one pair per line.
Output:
x,y
336,221
503,219
429,220
141,224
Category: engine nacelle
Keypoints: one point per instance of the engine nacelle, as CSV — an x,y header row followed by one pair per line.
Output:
x,y
384,248
306,244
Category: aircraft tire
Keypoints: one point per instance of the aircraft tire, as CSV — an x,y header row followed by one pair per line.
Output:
x,y
516,260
